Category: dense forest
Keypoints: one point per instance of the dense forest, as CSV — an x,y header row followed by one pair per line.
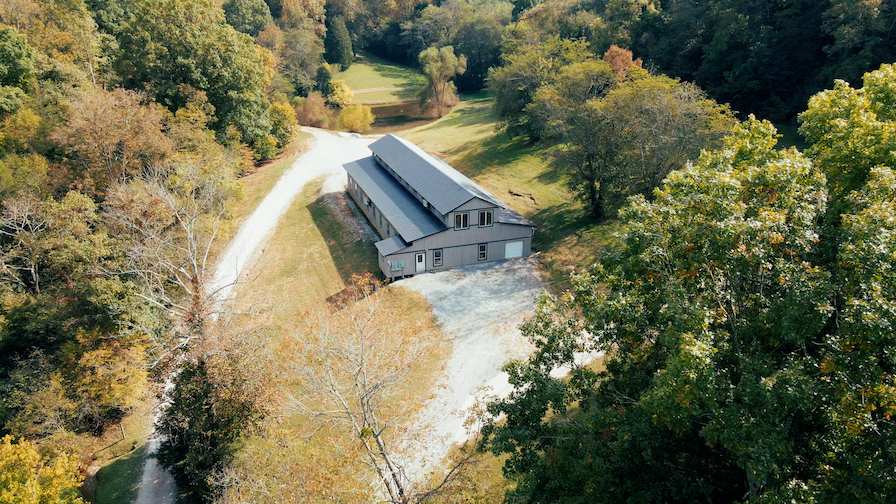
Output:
x,y
747,313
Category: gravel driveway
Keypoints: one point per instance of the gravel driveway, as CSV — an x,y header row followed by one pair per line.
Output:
x,y
324,159
480,309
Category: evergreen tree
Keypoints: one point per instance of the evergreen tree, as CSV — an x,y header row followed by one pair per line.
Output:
x,y
338,43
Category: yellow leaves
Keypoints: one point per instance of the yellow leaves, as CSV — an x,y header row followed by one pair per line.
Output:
x,y
357,118
28,478
113,375
341,95
18,129
827,365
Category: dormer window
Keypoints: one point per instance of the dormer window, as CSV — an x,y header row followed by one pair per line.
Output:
x,y
461,220
485,218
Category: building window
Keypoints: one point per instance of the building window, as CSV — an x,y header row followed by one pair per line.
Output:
x,y
368,202
461,220
437,257
485,217
396,265
483,251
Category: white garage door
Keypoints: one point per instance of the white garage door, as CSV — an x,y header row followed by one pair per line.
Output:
x,y
513,249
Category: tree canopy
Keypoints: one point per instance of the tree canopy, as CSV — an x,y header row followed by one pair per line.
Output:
x,y
743,362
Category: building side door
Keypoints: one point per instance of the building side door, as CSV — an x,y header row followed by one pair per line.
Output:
x,y
420,261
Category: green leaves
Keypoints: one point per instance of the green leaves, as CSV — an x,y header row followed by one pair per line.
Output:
x,y
17,59
850,131
173,47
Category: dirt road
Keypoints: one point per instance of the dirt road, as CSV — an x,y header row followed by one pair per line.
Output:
x,y
323,159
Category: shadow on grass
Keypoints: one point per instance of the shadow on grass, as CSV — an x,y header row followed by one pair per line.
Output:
x,y
476,110
411,81
502,150
118,482
556,223
352,252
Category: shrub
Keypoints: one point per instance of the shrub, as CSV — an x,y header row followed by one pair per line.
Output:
x,y
357,118
340,95
323,79
312,111
283,120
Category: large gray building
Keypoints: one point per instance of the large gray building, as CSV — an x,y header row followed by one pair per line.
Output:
x,y
430,216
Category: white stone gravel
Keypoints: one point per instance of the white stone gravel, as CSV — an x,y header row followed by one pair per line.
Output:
x,y
479,309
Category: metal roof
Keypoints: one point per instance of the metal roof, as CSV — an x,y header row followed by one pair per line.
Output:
x,y
390,245
438,183
508,216
405,213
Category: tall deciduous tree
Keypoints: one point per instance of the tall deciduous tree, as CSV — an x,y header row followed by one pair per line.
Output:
x,y
440,66
16,70
525,69
300,57
170,218
749,346
479,40
627,141
111,136
248,16
171,48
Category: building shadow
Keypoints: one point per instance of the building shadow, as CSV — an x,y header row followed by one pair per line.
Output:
x,y
347,235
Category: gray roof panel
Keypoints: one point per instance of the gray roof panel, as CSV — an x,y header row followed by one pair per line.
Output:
x,y
405,213
438,183
508,216
390,245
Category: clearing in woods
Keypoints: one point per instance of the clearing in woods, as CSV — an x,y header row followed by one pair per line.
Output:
x,y
375,81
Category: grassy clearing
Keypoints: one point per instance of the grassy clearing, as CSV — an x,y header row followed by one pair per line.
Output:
x,y
523,176
310,257
121,457
317,248
376,81
118,482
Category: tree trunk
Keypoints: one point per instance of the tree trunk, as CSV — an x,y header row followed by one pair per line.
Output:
x,y
596,200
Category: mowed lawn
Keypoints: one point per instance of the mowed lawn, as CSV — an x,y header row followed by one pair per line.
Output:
x,y
523,176
319,244
121,456
375,81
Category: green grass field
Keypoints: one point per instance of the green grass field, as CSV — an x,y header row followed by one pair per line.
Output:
x,y
122,458
376,81
524,177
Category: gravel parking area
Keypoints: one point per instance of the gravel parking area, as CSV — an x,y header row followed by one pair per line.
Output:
x,y
480,309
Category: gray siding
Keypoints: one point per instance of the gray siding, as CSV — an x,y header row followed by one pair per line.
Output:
x,y
374,216
460,248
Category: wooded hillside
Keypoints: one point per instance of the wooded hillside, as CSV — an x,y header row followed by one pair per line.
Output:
x,y
744,311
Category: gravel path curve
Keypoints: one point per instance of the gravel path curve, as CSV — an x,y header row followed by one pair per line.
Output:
x,y
324,159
